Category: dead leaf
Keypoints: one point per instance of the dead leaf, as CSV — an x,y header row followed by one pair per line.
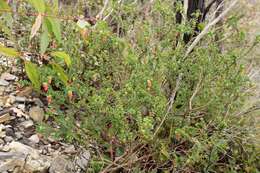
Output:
x,y
5,117
26,92
36,26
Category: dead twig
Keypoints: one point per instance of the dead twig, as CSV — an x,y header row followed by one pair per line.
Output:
x,y
195,91
171,102
208,27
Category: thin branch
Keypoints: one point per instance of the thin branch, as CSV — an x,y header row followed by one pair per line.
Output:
x,y
170,103
195,91
100,14
208,27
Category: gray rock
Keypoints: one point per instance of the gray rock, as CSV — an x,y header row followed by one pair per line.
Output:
x,y
70,149
3,82
27,124
38,102
82,160
18,135
8,77
34,139
2,141
37,114
26,159
8,139
20,99
9,132
61,165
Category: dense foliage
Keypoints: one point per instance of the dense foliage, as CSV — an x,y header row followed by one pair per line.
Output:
x,y
124,86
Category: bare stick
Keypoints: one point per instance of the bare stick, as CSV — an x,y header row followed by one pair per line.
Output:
x,y
100,14
208,27
195,92
170,103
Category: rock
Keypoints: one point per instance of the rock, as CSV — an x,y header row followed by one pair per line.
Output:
x,y
18,135
34,139
37,114
27,124
21,106
9,132
3,82
1,142
61,165
70,149
8,77
25,158
38,102
20,99
8,139
19,113
82,160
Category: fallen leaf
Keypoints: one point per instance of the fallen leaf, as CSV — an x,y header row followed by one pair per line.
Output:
x,y
36,26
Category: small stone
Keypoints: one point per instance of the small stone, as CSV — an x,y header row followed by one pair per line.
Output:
x,y
83,160
9,132
61,165
3,82
2,141
70,150
8,77
27,124
21,106
20,99
34,139
18,135
37,114
8,139
38,102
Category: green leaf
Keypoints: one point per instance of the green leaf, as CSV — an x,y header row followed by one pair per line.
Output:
x,y
4,5
60,72
44,42
32,72
56,29
8,51
39,5
64,56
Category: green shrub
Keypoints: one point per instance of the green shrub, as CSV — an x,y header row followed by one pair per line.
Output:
x,y
139,101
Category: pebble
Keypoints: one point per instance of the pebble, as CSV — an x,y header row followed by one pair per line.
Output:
x,y
34,139
8,77
27,124
18,135
70,150
37,114
3,82
9,132
8,139
2,142
20,99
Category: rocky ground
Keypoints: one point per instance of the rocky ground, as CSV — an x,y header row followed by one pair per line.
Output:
x,y
22,149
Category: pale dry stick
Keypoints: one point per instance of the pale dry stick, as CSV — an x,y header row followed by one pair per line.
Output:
x,y
171,102
100,14
196,91
208,27
109,14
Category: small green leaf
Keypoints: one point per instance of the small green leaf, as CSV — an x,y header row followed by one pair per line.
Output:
x,y
8,51
56,29
60,72
4,6
32,72
64,56
39,5
44,42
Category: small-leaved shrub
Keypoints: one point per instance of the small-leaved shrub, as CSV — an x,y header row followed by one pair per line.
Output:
x,y
124,87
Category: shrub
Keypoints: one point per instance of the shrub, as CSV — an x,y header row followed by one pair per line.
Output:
x,y
132,94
